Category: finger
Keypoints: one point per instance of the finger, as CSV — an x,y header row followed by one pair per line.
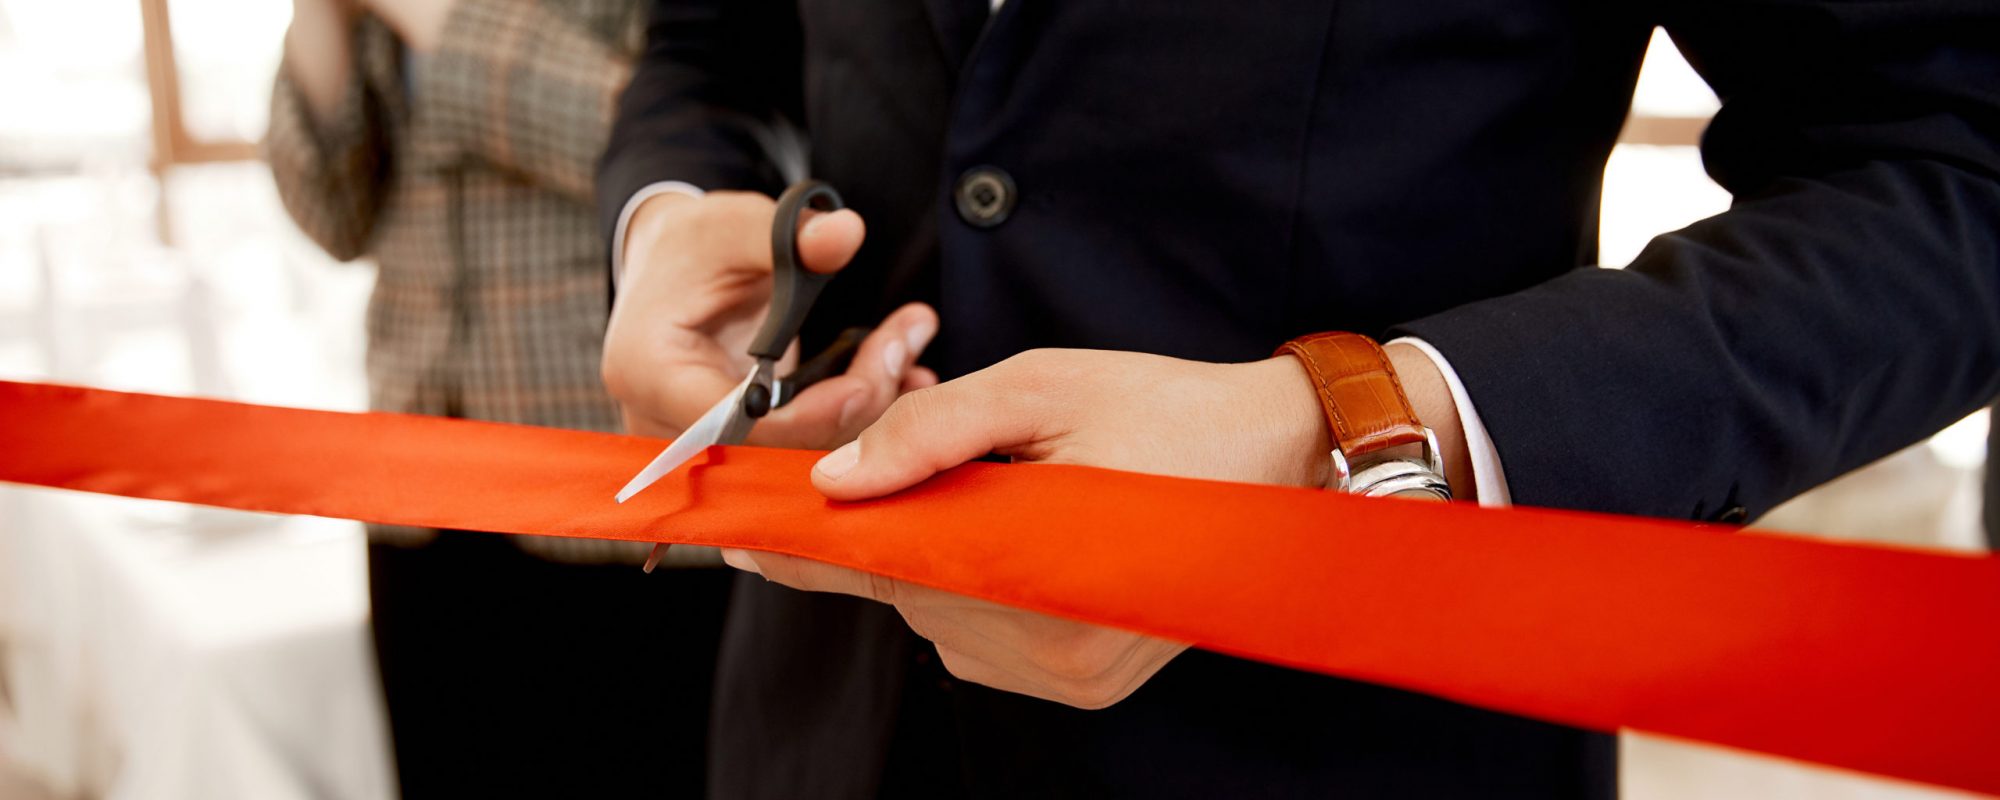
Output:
x,y
918,378
898,341
813,419
640,424
926,432
741,559
1047,649
986,643
996,635
733,229
806,574
828,240
814,576
834,410
672,390
973,670
661,356
1012,674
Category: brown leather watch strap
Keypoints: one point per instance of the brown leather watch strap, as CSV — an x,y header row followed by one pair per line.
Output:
x,y
1365,407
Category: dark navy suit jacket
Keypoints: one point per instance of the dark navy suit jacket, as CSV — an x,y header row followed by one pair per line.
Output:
x,y
1208,179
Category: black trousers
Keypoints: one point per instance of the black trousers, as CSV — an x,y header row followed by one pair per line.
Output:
x,y
510,676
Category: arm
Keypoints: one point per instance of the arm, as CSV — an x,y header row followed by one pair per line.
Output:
x,y
319,50
707,103
707,108
517,85
1846,306
325,144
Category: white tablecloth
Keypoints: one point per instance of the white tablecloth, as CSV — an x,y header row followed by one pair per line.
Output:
x,y
155,650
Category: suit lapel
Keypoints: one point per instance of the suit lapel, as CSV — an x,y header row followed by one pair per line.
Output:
x,y
957,24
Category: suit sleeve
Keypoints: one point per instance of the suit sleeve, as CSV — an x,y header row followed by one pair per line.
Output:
x,y
523,88
1847,305
330,172
717,82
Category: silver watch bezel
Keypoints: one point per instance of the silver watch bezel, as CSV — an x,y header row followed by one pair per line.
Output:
x,y
1421,477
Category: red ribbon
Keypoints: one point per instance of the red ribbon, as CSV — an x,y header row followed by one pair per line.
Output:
x,y
1872,658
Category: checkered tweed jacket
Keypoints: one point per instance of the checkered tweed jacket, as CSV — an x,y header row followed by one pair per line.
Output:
x,y
466,175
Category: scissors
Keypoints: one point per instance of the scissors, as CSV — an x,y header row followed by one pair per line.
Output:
x,y
793,290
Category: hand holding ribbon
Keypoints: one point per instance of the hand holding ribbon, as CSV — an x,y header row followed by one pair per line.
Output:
x,y
1253,423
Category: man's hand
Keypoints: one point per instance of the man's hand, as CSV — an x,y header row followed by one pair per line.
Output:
x,y
1069,662
1257,422
695,287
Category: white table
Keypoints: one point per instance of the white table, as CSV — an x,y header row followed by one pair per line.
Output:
x,y
164,651
154,650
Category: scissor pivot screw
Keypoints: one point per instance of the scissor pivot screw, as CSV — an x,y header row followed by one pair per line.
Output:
x,y
757,401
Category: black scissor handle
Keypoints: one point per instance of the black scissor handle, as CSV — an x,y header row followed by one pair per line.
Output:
x,y
793,287
832,361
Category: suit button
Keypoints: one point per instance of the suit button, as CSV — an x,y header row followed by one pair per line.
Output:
x,y
985,196
1736,515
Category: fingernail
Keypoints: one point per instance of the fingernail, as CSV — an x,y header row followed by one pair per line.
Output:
x,y
919,335
839,462
811,223
741,559
850,411
893,357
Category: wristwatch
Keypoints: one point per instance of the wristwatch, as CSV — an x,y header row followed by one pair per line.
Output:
x,y
1379,447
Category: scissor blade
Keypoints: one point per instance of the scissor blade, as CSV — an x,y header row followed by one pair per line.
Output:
x,y
704,432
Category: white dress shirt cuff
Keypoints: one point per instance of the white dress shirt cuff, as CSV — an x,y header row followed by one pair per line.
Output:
x,y
1487,476
651,191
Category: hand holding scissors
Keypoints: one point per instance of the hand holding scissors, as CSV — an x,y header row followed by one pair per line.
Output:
x,y
712,297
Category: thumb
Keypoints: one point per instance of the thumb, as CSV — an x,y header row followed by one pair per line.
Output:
x,y
926,432
828,240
